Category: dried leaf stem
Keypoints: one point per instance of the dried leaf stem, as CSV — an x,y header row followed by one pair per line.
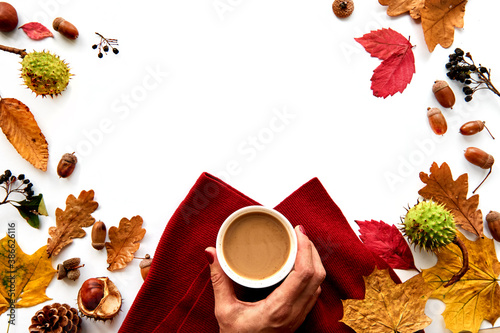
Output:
x,y
465,263
21,52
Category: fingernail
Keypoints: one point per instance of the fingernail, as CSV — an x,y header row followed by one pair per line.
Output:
x,y
302,230
210,257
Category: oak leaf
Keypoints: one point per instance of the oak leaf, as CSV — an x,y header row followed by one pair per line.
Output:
x,y
387,306
24,278
69,223
36,31
124,242
21,129
398,62
441,188
398,7
476,296
439,19
387,242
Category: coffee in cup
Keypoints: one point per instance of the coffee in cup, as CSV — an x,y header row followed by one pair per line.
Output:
x,y
256,246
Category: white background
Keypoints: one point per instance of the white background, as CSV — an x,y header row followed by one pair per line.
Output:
x,y
197,86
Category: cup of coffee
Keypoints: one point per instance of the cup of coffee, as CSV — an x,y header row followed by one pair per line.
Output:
x,y
256,246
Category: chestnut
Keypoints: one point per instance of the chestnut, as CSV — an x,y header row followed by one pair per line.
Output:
x,y
8,17
99,298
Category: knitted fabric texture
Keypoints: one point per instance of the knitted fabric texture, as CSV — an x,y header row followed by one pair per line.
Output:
x,y
177,295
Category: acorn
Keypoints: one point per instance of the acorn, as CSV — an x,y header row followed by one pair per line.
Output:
x,y
98,235
474,127
66,165
65,28
144,265
493,219
481,159
443,93
437,121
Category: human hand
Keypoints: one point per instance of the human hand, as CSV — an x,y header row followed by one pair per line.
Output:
x,y
285,309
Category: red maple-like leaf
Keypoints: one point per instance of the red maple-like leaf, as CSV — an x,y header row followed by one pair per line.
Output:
x,y
36,31
387,242
398,62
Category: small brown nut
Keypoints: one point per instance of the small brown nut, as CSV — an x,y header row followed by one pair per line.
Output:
x,y
343,8
61,272
73,274
8,17
493,219
66,165
479,157
443,93
437,121
99,298
71,263
98,235
144,265
65,28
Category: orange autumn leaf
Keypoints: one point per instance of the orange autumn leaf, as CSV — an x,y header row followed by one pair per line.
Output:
x,y
69,223
24,280
439,20
387,306
21,129
476,296
398,7
440,187
124,242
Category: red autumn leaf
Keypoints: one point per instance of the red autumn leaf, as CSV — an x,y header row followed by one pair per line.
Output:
x,y
387,242
398,62
36,30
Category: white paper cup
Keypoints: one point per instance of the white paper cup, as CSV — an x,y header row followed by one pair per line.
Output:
x,y
272,279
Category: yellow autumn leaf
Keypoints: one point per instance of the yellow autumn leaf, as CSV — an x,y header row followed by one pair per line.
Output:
x,y
439,19
24,277
475,297
388,307
21,129
124,242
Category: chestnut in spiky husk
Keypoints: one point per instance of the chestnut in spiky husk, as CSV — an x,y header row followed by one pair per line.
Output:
x,y
99,298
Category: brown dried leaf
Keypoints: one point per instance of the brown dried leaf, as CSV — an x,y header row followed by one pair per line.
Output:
x,y
69,223
387,306
441,188
398,7
124,242
439,19
21,129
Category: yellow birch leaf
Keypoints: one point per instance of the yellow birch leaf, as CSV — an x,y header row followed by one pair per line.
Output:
x,y
388,307
439,19
475,297
69,223
25,277
21,129
124,242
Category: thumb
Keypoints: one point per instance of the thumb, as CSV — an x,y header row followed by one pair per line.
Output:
x,y
221,283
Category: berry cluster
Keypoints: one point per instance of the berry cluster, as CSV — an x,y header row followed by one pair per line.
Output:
x,y
462,68
105,44
12,184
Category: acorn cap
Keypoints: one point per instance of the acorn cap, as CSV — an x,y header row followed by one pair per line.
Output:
x,y
432,111
146,262
343,8
71,263
73,274
61,272
438,85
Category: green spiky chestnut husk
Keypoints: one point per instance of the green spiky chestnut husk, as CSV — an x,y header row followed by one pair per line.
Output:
x,y
429,225
45,73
